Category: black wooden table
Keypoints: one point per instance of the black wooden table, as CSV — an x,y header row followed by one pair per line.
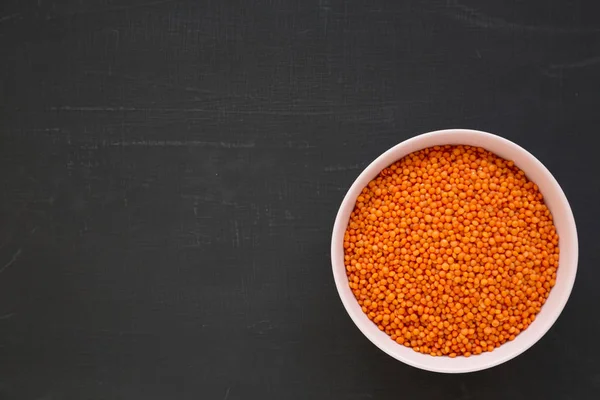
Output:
x,y
170,171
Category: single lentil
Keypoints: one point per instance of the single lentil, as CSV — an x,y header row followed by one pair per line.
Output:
x,y
451,251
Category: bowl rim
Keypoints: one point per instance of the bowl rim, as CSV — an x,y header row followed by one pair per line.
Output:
x,y
371,171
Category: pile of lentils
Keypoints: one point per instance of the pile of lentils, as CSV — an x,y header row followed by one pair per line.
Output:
x,y
451,251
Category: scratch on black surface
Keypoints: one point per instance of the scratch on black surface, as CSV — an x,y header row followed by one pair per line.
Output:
x,y
226,394
148,4
325,5
195,208
45,130
209,198
183,143
9,17
261,327
555,69
109,9
6,316
12,260
199,110
324,9
473,17
302,145
336,168
236,234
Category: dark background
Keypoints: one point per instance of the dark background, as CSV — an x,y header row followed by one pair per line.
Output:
x,y
170,171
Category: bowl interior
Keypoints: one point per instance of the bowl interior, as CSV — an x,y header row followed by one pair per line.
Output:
x,y
563,220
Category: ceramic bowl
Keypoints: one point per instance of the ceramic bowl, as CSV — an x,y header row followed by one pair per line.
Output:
x,y
563,219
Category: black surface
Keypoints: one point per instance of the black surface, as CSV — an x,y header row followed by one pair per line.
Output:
x,y
170,172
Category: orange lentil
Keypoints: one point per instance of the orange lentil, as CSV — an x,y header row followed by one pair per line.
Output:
x,y
451,251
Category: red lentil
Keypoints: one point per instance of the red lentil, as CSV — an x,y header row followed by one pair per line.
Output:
x,y
451,251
